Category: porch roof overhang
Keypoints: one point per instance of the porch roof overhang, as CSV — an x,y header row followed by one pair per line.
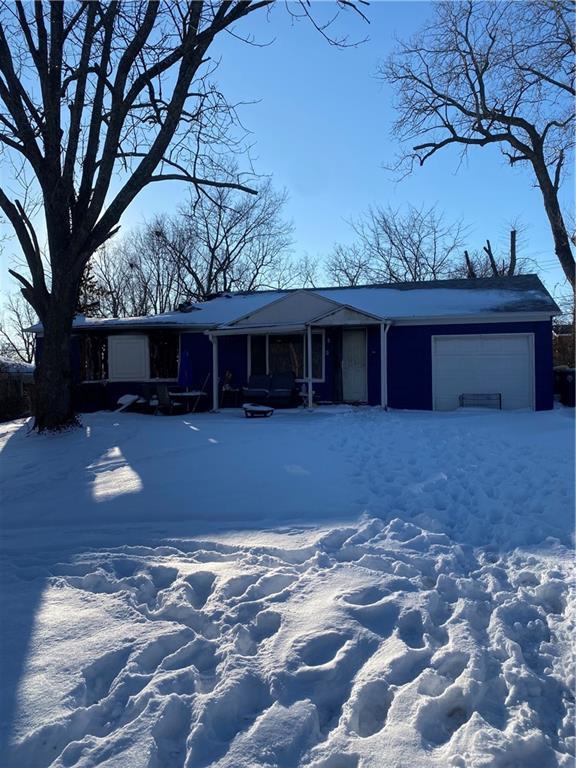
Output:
x,y
345,315
254,330
342,316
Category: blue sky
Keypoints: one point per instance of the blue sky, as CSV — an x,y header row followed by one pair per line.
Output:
x,y
322,128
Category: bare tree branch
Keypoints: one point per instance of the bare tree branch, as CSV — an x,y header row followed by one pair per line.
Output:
x,y
496,72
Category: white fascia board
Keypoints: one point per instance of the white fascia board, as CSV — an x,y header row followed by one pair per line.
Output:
x,y
253,330
499,317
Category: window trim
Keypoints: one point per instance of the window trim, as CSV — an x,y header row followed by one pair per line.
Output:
x,y
320,332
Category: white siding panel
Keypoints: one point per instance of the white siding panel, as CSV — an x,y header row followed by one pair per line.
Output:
x,y
128,358
484,364
294,309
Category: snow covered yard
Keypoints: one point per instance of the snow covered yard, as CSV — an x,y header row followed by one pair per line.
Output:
x,y
343,589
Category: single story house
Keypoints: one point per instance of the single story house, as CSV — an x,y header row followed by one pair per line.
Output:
x,y
402,345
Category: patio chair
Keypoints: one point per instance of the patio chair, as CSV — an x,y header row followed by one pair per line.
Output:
x,y
258,388
283,391
167,404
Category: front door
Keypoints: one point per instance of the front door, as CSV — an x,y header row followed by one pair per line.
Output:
x,y
354,389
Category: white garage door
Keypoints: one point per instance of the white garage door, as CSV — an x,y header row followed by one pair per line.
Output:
x,y
486,364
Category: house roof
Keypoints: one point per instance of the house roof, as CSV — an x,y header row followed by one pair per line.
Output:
x,y
387,301
16,367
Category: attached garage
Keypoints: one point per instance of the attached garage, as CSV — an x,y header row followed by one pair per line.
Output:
x,y
481,365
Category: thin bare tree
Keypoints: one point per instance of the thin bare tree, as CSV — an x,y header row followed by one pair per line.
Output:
x,y
395,246
349,265
226,241
494,73
222,242
16,342
99,100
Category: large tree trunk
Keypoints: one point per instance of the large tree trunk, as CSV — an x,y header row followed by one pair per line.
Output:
x,y
557,225
53,406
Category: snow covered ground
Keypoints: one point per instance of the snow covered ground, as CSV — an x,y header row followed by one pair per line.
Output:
x,y
341,589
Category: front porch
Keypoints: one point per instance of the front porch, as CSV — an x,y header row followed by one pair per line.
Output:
x,y
334,359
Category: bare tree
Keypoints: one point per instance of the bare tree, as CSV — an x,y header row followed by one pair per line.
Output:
x,y
494,73
221,242
487,263
305,272
98,101
225,241
15,342
394,246
349,265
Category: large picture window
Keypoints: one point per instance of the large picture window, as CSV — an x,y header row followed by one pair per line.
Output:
x,y
278,353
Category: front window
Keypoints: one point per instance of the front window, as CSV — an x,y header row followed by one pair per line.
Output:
x,y
164,354
280,353
286,353
94,358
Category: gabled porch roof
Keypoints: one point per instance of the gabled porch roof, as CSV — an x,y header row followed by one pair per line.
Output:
x,y
296,311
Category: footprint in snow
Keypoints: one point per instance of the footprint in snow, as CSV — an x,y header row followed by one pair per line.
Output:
x,y
440,718
411,629
379,618
321,649
266,624
365,596
99,677
201,583
370,708
445,670
198,653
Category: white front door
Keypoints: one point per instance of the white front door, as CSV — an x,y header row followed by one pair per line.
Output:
x,y
484,364
354,389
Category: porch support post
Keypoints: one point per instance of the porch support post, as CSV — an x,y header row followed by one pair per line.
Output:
x,y
215,403
309,366
384,328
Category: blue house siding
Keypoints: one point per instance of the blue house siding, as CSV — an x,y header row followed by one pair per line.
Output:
x,y
325,390
195,369
410,360
233,357
409,365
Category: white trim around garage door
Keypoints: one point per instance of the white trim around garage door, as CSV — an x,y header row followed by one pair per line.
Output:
x,y
491,336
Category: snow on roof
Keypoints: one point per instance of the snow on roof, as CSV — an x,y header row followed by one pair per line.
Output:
x,y
393,304
391,301
16,366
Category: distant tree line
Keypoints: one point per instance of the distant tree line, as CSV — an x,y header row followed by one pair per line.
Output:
x,y
392,246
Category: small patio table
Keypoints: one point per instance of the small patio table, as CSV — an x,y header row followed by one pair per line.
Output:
x,y
188,397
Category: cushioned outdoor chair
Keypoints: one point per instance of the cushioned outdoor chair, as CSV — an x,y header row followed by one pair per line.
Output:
x,y
283,391
258,388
